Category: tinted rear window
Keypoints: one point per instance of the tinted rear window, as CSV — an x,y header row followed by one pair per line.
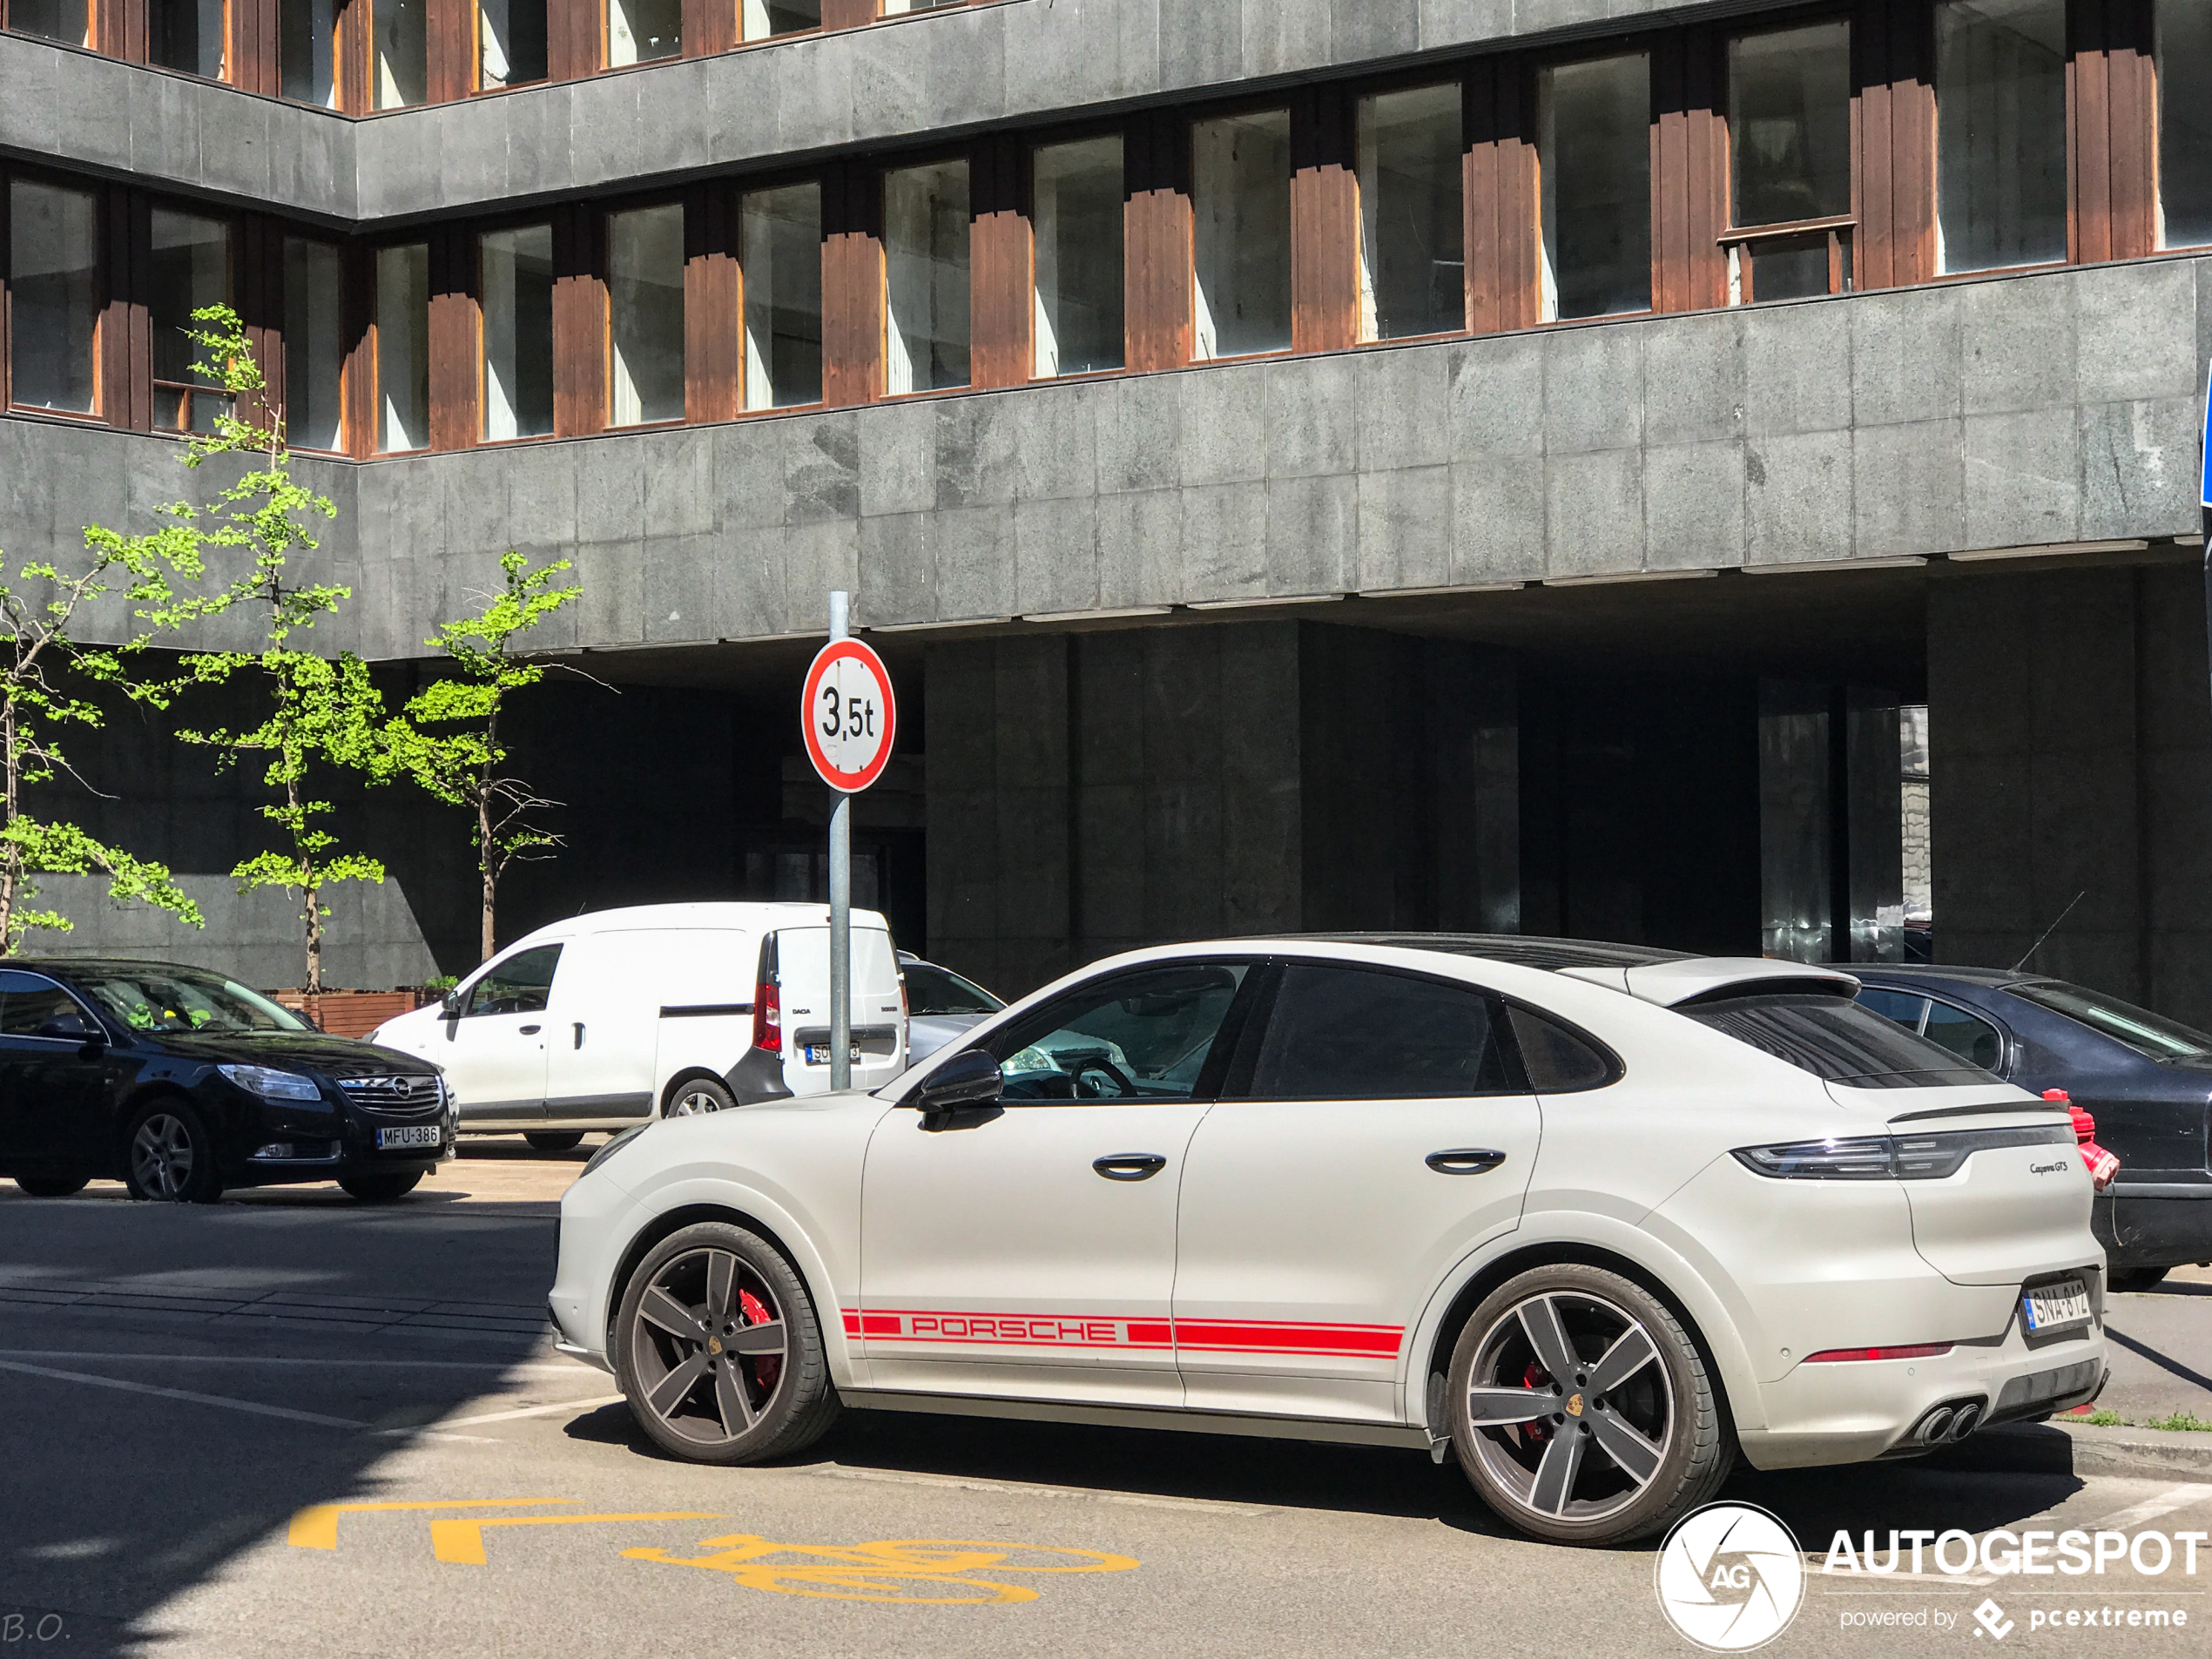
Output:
x,y
1837,1041
1355,1034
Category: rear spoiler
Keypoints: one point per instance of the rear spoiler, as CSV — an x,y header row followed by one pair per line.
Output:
x,y
1708,979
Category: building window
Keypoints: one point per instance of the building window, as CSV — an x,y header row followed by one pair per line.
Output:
x,y
516,268
187,35
1241,198
925,234
1789,128
2000,133
305,31
766,19
899,8
1413,227
53,19
53,295
314,343
510,43
403,347
1077,215
191,270
780,253
645,314
402,53
640,31
2184,123
1594,155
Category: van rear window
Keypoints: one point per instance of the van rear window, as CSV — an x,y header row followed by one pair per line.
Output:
x,y
1837,1041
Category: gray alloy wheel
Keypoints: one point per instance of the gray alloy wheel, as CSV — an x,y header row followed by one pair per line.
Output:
x,y
717,1348
699,1095
170,1158
1581,1410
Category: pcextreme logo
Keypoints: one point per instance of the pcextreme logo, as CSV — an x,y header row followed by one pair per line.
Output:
x,y
1729,1577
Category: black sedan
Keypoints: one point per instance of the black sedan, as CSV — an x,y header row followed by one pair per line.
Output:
x,y
2146,1079
182,1083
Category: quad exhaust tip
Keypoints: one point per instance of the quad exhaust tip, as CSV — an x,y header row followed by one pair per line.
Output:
x,y
1949,1423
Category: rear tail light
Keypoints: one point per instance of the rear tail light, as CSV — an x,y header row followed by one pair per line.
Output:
x,y
1911,1350
767,1006
1888,1157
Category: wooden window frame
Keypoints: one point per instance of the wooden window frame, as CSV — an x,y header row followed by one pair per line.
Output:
x,y
1839,230
1194,115
1456,75
233,237
1038,138
602,236
363,386
881,170
100,192
1646,44
285,231
573,397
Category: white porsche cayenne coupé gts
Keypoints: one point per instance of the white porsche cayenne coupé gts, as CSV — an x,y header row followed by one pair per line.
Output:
x,y
1594,1218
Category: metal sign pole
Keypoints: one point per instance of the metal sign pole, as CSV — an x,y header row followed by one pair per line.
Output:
x,y
840,886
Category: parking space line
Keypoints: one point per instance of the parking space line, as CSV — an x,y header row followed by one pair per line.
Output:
x,y
2121,1520
254,1407
316,1527
1022,1489
527,1411
563,1368
460,1543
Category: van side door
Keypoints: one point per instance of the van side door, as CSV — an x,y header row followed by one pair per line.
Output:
x,y
492,1048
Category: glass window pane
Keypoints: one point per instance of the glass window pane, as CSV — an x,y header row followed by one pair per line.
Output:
x,y
2000,138
781,253
1972,1040
54,291
305,28
895,8
522,984
1077,216
1412,228
54,19
516,273
765,19
640,31
190,269
1595,155
2184,123
924,227
510,43
1788,124
645,304
1791,267
1557,1060
1241,185
402,53
315,299
403,347
1350,1033
187,35
1900,1006
1143,1035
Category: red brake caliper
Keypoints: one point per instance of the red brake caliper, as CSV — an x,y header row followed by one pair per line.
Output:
x,y
1536,1377
756,1312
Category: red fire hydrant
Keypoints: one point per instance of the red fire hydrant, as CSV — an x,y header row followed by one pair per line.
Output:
x,y
2102,1165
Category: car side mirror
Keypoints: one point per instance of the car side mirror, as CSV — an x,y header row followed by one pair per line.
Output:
x,y
450,1006
75,1028
966,1084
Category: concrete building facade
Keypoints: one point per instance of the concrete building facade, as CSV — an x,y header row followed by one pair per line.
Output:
x,y
1488,464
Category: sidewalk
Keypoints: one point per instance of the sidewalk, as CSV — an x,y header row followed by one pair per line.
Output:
x,y
2162,1350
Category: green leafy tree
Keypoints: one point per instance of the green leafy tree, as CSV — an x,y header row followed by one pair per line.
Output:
x,y
321,714
45,670
449,742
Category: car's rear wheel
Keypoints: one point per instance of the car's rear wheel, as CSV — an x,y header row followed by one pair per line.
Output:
x,y
51,1186
169,1157
700,1095
380,1189
1581,1410
718,1350
555,1140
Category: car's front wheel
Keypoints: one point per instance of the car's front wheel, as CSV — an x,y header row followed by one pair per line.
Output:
x,y
169,1157
554,1140
51,1186
1581,1410
380,1188
718,1348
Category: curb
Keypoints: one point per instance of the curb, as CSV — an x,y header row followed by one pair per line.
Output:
x,y
2077,1448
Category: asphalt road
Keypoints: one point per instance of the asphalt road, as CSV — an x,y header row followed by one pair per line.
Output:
x,y
290,1424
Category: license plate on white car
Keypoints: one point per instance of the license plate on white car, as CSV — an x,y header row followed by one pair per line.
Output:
x,y
414,1135
2054,1307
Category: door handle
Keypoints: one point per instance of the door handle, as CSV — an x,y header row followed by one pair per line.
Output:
x,y
1466,1160
531,1031
1131,1166
579,1034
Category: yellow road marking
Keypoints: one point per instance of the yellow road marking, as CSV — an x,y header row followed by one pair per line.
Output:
x,y
316,1527
931,1571
460,1543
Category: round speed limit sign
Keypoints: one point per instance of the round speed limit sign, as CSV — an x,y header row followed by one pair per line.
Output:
x,y
849,716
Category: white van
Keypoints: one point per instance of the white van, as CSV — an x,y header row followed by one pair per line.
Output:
x,y
604,1021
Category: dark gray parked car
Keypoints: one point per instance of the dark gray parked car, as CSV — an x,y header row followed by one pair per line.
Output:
x,y
2145,1078
941,1006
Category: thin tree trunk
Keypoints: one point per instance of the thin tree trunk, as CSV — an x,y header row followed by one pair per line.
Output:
x,y
487,855
11,865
